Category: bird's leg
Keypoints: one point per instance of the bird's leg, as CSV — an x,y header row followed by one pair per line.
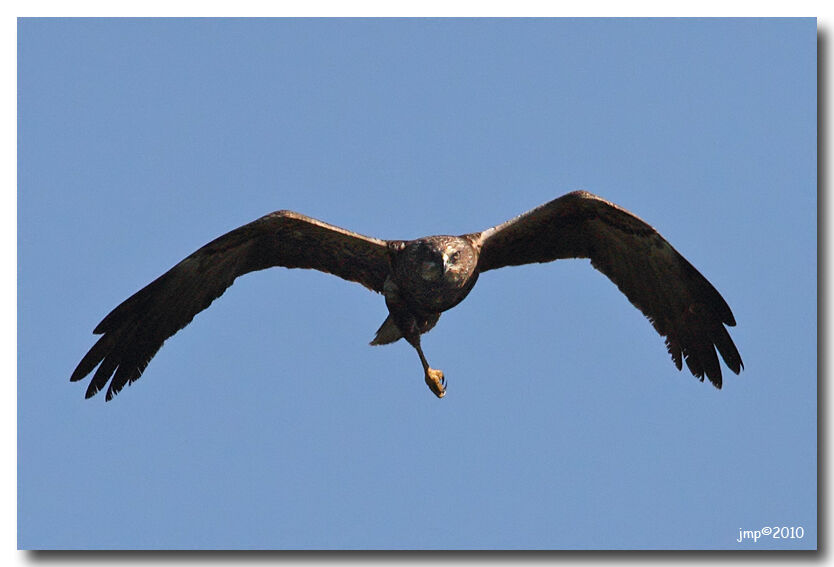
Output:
x,y
411,329
434,377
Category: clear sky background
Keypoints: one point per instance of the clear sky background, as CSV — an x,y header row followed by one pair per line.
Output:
x,y
270,423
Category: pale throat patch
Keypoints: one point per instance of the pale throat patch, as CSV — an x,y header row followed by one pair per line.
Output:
x,y
430,271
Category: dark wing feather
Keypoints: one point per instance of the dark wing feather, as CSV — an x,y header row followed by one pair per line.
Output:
x,y
680,303
134,331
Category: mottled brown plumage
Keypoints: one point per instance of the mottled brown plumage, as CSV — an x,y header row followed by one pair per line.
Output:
x,y
422,278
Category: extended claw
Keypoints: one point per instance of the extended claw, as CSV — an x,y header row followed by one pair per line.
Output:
x,y
436,382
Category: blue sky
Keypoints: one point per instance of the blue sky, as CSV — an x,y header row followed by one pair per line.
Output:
x,y
270,423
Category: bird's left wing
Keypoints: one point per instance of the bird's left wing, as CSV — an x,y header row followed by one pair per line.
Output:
x,y
134,331
680,303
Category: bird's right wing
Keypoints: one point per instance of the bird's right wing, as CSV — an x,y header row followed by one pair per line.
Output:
x,y
134,331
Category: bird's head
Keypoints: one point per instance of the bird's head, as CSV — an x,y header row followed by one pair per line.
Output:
x,y
445,259
458,260
450,255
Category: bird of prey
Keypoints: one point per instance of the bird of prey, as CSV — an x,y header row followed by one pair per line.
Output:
x,y
422,278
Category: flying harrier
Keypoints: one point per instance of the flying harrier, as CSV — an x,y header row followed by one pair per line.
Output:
x,y
422,278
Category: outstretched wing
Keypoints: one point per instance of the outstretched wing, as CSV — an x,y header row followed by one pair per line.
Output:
x,y
680,303
134,331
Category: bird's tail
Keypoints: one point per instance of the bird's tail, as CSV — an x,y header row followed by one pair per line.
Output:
x,y
387,333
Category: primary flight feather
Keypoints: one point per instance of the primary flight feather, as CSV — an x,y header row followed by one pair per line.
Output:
x,y
422,278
